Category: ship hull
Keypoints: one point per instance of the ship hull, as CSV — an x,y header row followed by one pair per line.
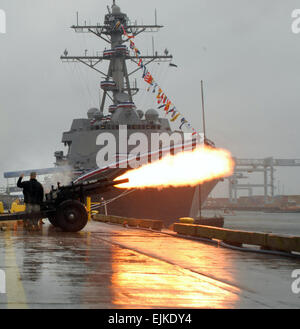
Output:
x,y
168,204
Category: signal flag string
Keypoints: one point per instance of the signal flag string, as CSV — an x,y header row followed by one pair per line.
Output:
x,y
162,100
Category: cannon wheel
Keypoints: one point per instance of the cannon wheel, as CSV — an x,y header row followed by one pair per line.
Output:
x,y
71,216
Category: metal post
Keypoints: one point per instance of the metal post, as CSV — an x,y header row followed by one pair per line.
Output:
x,y
230,189
266,184
272,181
203,111
89,207
200,200
235,188
105,206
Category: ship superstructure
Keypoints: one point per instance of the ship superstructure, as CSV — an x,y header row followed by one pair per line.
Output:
x,y
117,99
118,110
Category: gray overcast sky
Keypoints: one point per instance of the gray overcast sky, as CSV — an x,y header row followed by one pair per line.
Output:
x,y
244,50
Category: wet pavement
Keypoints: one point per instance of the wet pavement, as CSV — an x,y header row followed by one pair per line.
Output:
x,y
107,266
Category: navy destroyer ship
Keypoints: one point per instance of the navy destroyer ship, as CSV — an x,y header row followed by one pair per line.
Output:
x,y
116,113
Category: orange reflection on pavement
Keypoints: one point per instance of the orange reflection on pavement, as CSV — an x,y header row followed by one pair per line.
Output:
x,y
144,282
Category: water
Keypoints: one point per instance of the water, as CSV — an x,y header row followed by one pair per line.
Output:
x,y
279,223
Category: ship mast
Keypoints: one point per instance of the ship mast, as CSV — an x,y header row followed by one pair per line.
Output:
x,y
116,85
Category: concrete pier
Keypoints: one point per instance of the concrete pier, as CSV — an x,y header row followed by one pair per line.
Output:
x,y
111,266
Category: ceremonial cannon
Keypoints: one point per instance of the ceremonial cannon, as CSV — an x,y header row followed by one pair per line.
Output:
x,y
64,206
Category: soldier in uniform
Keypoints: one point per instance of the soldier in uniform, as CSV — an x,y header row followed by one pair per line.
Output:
x,y
33,197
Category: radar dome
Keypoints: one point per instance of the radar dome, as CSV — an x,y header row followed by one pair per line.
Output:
x,y
116,9
140,114
91,112
152,115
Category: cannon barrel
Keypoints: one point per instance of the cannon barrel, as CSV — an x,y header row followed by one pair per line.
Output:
x,y
80,191
98,187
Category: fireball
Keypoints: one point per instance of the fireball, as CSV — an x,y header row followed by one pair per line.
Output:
x,y
188,168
